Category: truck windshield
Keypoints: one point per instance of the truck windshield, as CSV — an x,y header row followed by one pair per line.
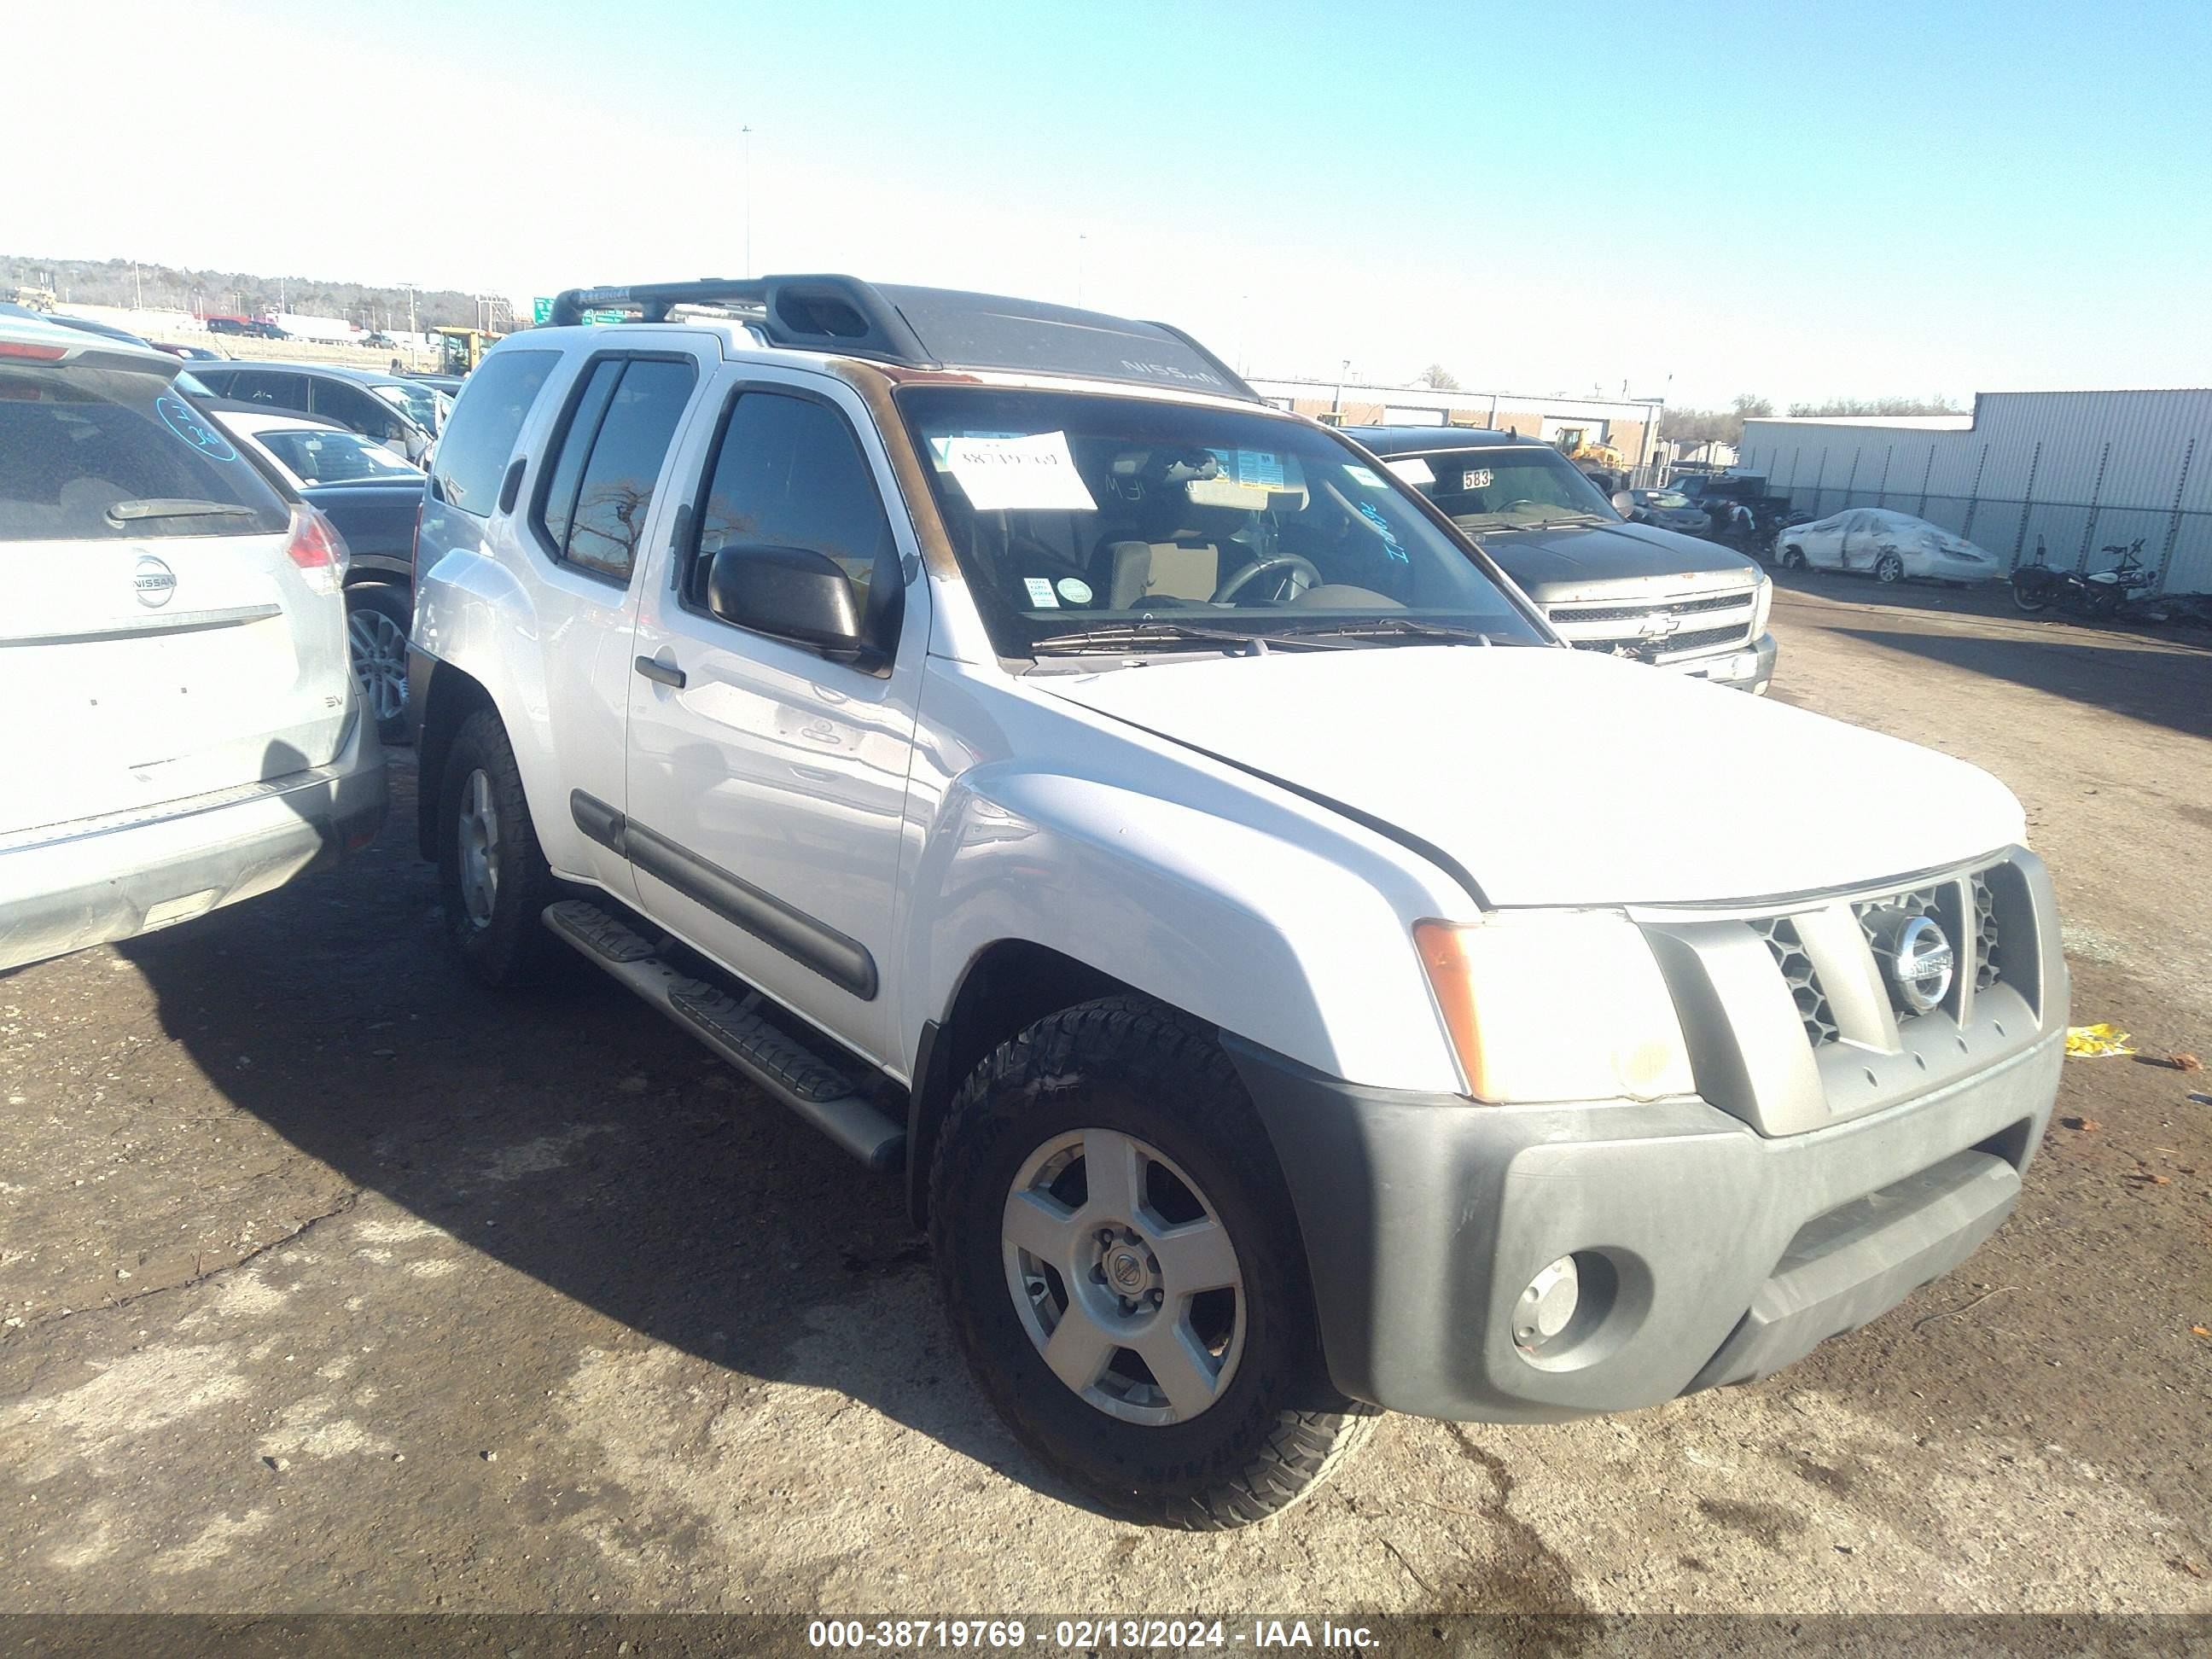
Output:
x,y
1521,488
1074,515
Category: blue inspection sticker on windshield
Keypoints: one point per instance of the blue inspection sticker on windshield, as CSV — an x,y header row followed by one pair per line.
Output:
x,y
1373,516
194,428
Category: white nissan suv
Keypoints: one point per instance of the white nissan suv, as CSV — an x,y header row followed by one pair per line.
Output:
x,y
1290,981
182,726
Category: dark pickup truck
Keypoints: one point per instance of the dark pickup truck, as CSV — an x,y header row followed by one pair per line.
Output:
x,y
1604,584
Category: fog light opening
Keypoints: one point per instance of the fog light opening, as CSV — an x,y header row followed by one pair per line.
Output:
x,y
1547,1306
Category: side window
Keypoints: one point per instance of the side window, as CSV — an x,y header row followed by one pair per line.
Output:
x,y
790,473
216,381
277,391
352,408
608,459
479,436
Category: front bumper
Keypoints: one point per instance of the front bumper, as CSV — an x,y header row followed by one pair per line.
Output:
x,y
1709,1254
1749,668
98,880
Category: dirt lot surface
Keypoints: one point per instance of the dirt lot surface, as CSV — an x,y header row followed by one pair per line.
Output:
x,y
332,1282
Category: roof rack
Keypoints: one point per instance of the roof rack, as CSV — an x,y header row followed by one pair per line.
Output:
x,y
930,328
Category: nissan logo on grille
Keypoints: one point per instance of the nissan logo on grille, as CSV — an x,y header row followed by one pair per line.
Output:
x,y
154,582
1918,961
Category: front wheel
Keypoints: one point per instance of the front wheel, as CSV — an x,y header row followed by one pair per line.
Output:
x,y
2030,593
1117,1256
491,874
1793,558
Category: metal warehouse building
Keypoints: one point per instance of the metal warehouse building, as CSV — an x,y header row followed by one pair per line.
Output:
x,y
2074,472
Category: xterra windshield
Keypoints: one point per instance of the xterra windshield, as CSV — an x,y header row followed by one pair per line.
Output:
x,y
1089,523
1523,487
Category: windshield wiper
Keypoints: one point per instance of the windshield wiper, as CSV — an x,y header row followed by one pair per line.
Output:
x,y
170,507
1152,631
1404,627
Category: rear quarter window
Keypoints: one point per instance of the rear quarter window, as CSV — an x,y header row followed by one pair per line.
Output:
x,y
108,454
479,434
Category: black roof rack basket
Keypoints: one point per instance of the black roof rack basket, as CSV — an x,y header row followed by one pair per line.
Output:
x,y
929,328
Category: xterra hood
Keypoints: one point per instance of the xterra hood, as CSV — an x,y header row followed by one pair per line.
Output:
x,y
1555,777
1564,563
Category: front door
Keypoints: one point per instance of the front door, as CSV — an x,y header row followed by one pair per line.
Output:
x,y
766,781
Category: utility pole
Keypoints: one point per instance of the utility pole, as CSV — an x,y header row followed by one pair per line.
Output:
x,y
138,293
409,286
1080,238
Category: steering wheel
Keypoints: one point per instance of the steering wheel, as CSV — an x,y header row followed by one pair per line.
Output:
x,y
1295,564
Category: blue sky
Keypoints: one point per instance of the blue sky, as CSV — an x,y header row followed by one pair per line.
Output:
x,y
1786,200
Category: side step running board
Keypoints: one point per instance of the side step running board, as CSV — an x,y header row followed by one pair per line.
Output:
x,y
816,1088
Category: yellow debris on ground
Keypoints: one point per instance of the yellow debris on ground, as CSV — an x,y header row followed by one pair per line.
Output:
x,y
2098,1039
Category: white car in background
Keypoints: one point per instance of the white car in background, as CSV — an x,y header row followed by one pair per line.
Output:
x,y
182,728
1889,546
306,454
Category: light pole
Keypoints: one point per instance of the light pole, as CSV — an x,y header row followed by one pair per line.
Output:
x,y
1336,408
1080,238
746,132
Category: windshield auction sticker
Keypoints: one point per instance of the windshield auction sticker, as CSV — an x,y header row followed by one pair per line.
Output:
x,y
1031,474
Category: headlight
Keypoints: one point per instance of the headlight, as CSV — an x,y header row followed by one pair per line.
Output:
x,y
1762,603
1555,1006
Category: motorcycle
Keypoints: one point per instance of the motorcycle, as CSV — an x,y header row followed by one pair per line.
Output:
x,y
2038,587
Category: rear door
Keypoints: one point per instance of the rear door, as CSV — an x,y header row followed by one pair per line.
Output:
x,y
158,641
272,388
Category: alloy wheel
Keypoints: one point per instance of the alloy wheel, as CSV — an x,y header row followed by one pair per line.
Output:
x,y
1124,1277
478,833
379,648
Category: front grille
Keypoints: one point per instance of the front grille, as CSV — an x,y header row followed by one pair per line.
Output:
x,y
1974,931
1735,634
1579,613
1986,966
1781,936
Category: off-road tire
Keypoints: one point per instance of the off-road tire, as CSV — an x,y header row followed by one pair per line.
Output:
x,y
512,947
1125,1063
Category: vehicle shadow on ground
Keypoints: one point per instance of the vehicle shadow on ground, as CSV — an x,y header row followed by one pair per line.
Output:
x,y
1990,600
571,1134
2164,688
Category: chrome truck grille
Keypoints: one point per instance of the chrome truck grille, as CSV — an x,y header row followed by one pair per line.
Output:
x,y
1837,1005
1661,631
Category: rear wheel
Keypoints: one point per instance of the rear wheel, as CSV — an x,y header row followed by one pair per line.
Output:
x,y
377,617
1116,1250
491,875
2030,593
1889,568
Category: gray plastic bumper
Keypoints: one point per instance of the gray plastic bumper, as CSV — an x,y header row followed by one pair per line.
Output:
x,y
1709,1254
91,883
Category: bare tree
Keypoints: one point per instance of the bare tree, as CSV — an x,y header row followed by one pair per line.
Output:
x,y
1439,377
1878,406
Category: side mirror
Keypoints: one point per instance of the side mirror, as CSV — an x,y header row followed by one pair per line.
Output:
x,y
791,592
1624,503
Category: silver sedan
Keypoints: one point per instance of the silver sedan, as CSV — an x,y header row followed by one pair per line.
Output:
x,y
1888,546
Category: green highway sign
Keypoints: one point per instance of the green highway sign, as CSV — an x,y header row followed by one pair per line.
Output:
x,y
541,313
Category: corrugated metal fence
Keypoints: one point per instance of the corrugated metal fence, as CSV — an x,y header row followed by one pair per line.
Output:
x,y
2072,474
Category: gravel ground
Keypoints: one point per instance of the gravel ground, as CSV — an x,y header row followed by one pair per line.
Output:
x,y
331,1282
